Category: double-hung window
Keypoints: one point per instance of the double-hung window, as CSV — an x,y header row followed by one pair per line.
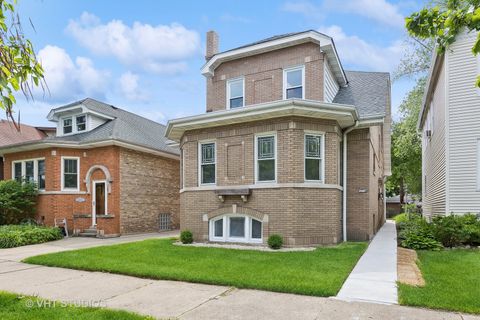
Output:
x,y
67,125
81,122
293,83
266,158
70,173
235,93
314,157
31,170
207,163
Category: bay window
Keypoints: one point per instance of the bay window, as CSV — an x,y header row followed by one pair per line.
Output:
x,y
235,228
265,146
207,165
314,157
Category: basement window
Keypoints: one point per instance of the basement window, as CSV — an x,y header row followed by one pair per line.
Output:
x,y
235,228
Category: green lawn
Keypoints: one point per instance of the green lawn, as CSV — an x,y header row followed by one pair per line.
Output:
x,y
15,307
320,272
452,281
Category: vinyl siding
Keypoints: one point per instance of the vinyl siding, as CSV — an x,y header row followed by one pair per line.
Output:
x,y
331,85
463,127
433,151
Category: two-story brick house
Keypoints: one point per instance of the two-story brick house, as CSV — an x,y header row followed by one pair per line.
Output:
x,y
290,144
107,171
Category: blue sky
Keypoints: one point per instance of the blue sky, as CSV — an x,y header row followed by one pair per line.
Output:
x,y
145,56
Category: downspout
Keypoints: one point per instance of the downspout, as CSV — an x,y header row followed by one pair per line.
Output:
x,y
344,206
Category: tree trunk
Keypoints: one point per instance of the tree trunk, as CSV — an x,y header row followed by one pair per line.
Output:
x,y
402,192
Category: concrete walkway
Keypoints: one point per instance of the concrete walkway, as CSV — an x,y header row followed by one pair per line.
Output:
x,y
374,277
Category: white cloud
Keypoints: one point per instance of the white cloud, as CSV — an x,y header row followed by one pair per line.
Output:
x,y
157,49
381,11
68,79
359,53
130,88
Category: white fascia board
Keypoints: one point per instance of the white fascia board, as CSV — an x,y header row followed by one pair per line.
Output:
x,y
55,114
291,107
429,85
208,68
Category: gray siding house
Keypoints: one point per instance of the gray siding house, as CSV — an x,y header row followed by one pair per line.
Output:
x,y
450,125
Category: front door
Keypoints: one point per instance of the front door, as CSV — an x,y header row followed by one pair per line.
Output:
x,y
99,200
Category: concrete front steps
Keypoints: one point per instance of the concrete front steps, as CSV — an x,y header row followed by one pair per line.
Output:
x,y
90,232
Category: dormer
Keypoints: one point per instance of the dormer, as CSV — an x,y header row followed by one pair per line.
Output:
x,y
303,65
76,118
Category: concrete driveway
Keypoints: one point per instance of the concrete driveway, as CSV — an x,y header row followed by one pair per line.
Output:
x,y
171,299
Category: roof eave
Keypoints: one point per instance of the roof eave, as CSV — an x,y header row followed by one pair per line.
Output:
x,y
437,60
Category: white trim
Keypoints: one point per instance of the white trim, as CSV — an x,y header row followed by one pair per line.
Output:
x,y
478,165
266,134
73,117
23,169
199,163
94,196
290,69
308,185
322,155
228,93
447,134
62,192
226,229
63,158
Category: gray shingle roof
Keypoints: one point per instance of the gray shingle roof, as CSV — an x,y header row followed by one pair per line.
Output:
x,y
125,127
369,92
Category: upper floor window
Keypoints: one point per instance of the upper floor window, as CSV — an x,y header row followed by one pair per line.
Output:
x,y
266,158
70,173
235,93
30,171
67,125
314,157
207,163
293,83
81,122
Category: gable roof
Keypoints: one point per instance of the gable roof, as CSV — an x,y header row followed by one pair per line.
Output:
x,y
369,92
122,126
10,135
326,43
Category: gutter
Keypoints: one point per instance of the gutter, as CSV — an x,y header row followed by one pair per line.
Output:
x,y
344,194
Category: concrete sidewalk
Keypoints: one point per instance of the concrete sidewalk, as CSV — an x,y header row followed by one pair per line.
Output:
x,y
374,277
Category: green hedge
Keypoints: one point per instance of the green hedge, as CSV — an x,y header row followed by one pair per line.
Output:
x,y
21,235
17,201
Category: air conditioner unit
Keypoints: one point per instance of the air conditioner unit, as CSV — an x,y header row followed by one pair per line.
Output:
x,y
428,133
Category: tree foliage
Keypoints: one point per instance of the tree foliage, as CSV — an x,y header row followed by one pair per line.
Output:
x,y
443,22
19,69
17,201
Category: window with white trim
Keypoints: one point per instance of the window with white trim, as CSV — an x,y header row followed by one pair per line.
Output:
x,y
235,93
293,83
70,173
31,170
236,228
67,125
81,122
207,163
266,158
314,157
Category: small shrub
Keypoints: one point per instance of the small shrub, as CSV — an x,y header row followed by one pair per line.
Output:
x,y
17,201
455,230
404,217
275,241
21,235
418,235
186,237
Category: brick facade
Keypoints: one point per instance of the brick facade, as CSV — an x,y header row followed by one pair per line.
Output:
x,y
76,206
263,75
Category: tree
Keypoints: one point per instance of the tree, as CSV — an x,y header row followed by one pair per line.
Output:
x,y
443,22
19,68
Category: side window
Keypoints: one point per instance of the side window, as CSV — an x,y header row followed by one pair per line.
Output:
x,y
235,93
293,86
314,157
266,158
207,163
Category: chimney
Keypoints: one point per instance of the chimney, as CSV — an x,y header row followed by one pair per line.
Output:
x,y
212,44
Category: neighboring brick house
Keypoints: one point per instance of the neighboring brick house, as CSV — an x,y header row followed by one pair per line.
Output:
x,y
107,171
13,134
269,154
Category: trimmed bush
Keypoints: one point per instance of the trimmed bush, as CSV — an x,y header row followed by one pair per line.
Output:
x,y
455,230
275,241
418,235
17,201
21,235
186,237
